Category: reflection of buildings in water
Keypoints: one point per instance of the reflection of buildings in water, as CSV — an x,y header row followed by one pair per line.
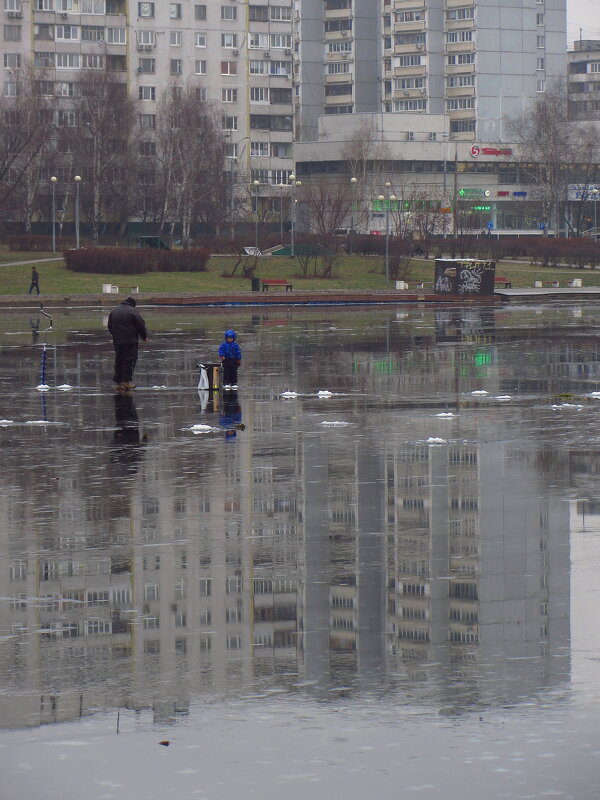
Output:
x,y
195,567
478,572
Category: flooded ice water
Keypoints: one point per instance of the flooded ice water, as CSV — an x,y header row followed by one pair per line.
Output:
x,y
373,568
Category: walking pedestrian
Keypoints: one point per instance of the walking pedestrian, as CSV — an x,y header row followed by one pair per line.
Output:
x,y
231,358
126,326
35,281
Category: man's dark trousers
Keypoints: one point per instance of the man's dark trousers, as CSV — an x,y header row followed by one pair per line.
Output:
x,y
126,356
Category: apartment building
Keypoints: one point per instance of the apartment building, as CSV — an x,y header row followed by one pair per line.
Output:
x,y
474,61
236,55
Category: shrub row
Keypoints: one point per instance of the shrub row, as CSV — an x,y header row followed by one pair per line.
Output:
x,y
135,261
29,242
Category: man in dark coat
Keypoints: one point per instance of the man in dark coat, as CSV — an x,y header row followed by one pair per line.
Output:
x,y
126,326
35,281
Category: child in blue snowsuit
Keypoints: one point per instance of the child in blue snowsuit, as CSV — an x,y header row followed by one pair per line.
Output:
x,y
231,358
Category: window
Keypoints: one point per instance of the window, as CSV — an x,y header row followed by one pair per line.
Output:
x,y
43,59
175,66
67,32
541,86
147,148
457,81
229,123
146,10
43,5
204,586
12,33
409,61
90,61
146,66
460,13
200,12
280,67
410,105
43,32
147,93
91,33
281,40
67,89
68,61
64,5
540,42
462,126
175,38
281,95
259,67
93,6
258,40
148,122
202,93
12,60
12,5
460,103
539,19
280,13
147,38
231,150
339,47
228,67
229,13
461,58
258,13
174,10
229,95
10,88
199,39
259,94
454,37
333,25
229,40
259,149
200,67
116,35
337,67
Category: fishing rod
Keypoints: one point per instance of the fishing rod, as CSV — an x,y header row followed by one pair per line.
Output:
x,y
43,386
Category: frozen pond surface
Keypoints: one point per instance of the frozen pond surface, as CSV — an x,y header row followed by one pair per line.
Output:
x,y
373,569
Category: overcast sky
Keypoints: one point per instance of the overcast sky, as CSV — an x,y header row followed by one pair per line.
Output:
x,y
584,14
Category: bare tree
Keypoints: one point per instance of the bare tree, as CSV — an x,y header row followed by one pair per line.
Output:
x,y
191,155
555,152
100,125
26,128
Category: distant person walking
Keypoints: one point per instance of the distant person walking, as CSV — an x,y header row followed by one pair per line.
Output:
x,y
231,358
126,326
35,281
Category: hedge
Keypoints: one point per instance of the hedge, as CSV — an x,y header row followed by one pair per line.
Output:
x,y
135,261
29,242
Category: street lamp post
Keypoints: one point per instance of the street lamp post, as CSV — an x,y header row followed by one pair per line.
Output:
x,y
294,184
53,180
281,188
595,192
387,200
256,184
353,182
77,182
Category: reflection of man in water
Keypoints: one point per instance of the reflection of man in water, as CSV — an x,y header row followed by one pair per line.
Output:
x,y
230,417
127,444
35,329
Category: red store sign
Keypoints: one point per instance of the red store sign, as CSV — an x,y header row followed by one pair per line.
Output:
x,y
476,151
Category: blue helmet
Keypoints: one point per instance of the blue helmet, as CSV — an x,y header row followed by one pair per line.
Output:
x,y
230,333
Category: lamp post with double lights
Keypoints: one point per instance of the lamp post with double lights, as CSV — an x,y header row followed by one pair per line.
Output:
x,y
53,180
294,184
77,182
387,200
256,184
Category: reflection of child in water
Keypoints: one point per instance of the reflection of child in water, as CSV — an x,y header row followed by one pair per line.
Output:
x,y
230,417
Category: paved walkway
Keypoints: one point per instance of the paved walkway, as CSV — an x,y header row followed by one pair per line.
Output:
x,y
31,261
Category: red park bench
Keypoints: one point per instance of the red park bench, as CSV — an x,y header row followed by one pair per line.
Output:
x,y
266,282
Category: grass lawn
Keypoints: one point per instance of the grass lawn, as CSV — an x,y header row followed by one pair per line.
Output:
x,y
351,272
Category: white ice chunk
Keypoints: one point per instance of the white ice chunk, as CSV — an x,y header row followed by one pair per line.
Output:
x,y
435,440
64,387
445,414
289,394
324,393
480,391
334,423
42,387
200,428
503,397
